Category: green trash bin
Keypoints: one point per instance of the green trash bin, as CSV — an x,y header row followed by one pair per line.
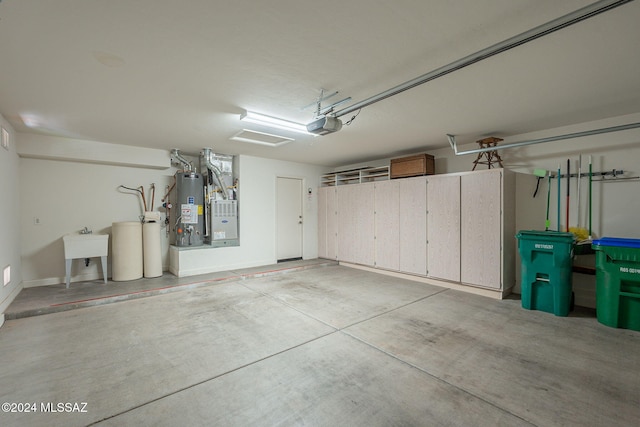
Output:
x,y
618,282
546,276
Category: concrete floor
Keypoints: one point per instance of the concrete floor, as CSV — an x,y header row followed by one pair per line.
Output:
x,y
56,298
321,346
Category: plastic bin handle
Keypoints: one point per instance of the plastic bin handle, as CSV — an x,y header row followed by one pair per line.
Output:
x,y
629,294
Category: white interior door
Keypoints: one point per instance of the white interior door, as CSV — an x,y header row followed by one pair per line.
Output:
x,y
289,218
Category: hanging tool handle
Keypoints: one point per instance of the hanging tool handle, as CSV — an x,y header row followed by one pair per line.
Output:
x,y
547,223
568,190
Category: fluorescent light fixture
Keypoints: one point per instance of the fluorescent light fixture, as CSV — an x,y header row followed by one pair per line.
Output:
x,y
7,275
274,122
5,139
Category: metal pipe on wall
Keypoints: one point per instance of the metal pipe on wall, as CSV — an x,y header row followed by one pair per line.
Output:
x,y
207,153
520,39
177,157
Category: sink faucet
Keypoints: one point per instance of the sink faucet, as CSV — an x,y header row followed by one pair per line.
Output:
x,y
85,231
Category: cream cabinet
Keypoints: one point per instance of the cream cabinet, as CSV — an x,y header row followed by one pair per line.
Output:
x,y
327,223
455,228
387,235
487,228
443,227
412,225
356,223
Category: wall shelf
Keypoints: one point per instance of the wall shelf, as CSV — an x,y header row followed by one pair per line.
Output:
x,y
355,176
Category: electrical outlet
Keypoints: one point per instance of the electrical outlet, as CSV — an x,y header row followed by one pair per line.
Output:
x,y
5,139
7,275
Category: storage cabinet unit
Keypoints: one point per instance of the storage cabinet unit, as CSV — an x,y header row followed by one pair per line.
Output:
x,y
387,235
481,229
413,225
322,221
332,224
327,223
443,227
356,223
458,228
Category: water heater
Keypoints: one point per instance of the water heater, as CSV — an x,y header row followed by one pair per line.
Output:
x,y
190,203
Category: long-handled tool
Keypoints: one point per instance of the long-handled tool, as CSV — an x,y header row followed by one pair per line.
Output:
x,y
559,227
580,232
590,196
568,189
579,179
540,174
547,222
153,195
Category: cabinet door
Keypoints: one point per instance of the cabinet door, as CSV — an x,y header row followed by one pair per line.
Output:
x,y
356,223
481,219
443,227
387,215
332,223
413,225
322,222
327,222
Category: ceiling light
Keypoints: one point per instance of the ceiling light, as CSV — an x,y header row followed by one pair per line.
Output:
x,y
30,120
262,138
274,122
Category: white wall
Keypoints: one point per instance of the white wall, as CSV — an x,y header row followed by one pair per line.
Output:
x,y
10,246
66,196
258,181
36,146
257,202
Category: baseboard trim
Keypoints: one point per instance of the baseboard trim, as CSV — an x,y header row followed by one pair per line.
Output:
x,y
495,294
8,300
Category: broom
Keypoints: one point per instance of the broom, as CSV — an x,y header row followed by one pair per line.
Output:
x,y
581,233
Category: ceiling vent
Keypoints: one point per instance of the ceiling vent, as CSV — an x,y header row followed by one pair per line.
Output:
x,y
261,138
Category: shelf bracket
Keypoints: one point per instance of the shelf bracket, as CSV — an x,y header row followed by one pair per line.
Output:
x,y
452,143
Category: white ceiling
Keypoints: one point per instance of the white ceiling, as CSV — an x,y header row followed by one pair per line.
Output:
x,y
177,74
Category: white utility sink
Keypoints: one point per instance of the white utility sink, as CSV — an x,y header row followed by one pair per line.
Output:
x,y
79,245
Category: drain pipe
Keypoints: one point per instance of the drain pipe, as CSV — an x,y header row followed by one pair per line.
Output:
x,y
452,139
537,32
207,153
177,158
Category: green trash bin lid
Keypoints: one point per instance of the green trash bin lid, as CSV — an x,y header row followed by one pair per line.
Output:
x,y
549,236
